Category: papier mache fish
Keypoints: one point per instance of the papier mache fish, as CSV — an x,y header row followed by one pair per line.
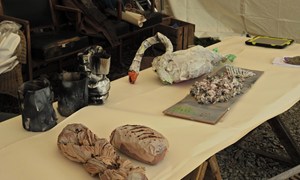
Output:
x,y
173,67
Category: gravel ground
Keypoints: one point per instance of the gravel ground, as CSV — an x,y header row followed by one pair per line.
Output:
x,y
239,161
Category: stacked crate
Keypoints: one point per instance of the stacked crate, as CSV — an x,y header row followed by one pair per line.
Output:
x,y
180,33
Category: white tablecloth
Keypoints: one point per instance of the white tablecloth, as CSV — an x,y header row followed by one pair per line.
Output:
x,y
27,155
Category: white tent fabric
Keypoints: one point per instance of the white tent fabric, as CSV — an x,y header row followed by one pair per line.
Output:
x,y
221,18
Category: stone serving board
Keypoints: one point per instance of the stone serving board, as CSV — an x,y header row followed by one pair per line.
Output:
x,y
188,108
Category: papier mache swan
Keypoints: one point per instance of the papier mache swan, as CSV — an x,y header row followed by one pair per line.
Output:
x,y
173,67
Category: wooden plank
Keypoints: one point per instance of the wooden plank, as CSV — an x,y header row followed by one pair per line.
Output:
x,y
284,136
214,166
203,172
200,174
168,30
278,157
179,39
191,35
293,173
166,19
180,33
185,36
188,31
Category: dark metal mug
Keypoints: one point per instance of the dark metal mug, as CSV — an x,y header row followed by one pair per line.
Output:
x,y
73,92
35,100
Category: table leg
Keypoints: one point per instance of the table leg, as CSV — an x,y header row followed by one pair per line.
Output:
x,y
285,138
203,172
214,166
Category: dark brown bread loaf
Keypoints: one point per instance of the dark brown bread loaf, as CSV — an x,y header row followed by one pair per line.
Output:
x,y
140,142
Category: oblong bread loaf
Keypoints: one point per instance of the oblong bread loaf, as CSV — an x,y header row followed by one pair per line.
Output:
x,y
140,142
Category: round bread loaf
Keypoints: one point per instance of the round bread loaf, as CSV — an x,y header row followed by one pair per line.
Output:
x,y
140,142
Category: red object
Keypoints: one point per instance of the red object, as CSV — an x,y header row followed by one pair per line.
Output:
x,y
132,76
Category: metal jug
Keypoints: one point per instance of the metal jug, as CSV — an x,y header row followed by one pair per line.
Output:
x,y
96,63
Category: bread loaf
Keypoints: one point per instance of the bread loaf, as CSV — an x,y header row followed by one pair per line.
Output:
x,y
140,142
78,143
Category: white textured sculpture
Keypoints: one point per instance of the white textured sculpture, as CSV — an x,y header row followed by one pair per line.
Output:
x,y
173,67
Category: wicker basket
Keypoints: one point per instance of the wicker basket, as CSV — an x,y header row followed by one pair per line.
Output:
x,y
10,81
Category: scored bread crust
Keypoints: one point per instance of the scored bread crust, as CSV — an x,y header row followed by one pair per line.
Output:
x,y
98,157
140,142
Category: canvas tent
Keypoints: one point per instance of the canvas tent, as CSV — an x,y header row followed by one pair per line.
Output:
x,y
222,18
